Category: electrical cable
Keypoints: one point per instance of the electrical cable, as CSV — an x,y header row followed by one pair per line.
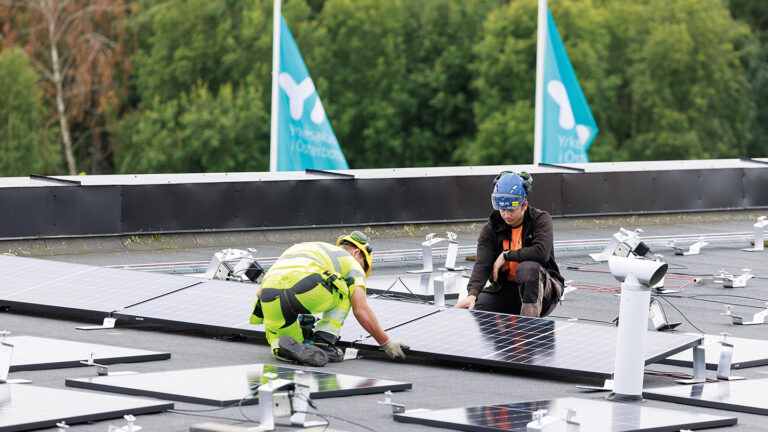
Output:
x,y
717,302
681,313
385,293
727,295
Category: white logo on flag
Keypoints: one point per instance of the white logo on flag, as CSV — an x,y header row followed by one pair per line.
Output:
x,y
557,91
298,94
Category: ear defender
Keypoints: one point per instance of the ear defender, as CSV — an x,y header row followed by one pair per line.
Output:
x,y
527,180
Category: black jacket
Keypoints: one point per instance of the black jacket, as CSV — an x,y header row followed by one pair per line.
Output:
x,y
537,246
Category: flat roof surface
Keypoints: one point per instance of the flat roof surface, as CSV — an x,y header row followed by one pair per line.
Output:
x,y
436,384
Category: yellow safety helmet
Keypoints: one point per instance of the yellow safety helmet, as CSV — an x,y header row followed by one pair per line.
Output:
x,y
360,241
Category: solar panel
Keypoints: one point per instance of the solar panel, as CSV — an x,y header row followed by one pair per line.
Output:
x,y
36,353
48,284
214,304
227,306
746,353
518,342
390,313
226,386
745,396
592,415
26,407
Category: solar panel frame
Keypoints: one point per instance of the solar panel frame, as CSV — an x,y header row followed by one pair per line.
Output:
x,y
85,290
525,343
56,353
744,396
30,407
197,385
593,416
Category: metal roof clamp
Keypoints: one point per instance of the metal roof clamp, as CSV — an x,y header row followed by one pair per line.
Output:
x,y
396,408
758,318
699,367
450,276
103,370
426,253
693,249
543,422
726,358
281,398
733,281
107,323
130,427
759,238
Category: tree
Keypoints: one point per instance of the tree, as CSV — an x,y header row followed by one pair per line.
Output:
x,y
71,43
504,76
26,146
755,14
686,94
398,79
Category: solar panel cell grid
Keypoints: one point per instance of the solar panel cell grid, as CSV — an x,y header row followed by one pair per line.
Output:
x,y
71,286
522,342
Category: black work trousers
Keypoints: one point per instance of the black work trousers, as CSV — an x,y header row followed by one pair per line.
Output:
x,y
535,293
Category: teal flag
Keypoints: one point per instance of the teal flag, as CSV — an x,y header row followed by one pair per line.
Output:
x,y
568,127
305,138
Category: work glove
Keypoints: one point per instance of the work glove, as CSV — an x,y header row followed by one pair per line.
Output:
x,y
394,349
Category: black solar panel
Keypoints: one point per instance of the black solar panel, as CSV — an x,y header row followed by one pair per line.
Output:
x,y
518,342
213,304
224,386
746,353
27,407
390,313
592,416
228,305
47,284
36,353
745,396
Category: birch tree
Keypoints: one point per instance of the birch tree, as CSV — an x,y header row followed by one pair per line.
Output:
x,y
72,45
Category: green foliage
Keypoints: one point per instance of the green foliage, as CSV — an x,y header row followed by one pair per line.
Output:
x,y
198,132
26,146
688,95
664,79
444,82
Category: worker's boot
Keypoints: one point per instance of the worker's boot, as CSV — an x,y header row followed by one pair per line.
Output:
x,y
327,342
307,354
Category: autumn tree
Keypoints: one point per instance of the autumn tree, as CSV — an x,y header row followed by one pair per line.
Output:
x,y
74,48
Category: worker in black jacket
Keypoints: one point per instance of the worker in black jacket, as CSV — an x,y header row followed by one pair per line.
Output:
x,y
515,254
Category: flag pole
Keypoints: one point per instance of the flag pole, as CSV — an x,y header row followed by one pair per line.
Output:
x,y
541,46
276,26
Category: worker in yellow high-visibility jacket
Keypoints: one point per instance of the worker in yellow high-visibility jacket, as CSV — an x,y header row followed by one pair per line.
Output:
x,y
314,278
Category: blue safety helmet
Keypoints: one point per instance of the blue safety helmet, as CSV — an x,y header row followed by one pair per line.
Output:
x,y
510,190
